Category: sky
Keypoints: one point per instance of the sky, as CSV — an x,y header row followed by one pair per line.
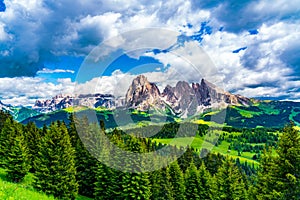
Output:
x,y
251,48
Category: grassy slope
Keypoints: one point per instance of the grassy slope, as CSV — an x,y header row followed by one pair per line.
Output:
x,y
265,113
23,190
198,143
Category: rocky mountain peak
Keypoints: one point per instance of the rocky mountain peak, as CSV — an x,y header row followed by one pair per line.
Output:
x,y
140,80
142,94
183,98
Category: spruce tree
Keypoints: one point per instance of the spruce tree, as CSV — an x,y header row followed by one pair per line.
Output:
x,y
55,167
32,137
135,184
175,177
264,188
4,115
104,185
205,183
160,185
7,131
228,182
287,171
16,161
106,177
86,164
192,182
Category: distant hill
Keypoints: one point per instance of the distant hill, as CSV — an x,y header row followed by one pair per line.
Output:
x,y
267,114
273,114
19,113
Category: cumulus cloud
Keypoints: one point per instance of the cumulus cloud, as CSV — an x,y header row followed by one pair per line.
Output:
x,y
34,32
25,90
38,31
51,71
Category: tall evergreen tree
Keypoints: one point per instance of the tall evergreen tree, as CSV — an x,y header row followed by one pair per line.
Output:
x,y
185,160
3,117
213,162
176,179
86,164
32,137
106,184
135,184
54,165
16,160
264,188
205,190
160,185
228,182
192,182
287,170
7,131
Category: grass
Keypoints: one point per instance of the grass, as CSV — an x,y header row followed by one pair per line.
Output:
x,y
209,123
246,113
264,109
211,113
23,190
72,109
292,115
268,109
198,143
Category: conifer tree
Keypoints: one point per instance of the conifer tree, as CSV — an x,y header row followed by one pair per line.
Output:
x,y
3,117
32,137
86,164
175,177
135,184
16,161
106,184
264,188
54,164
228,182
185,160
160,186
205,182
192,182
287,170
6,133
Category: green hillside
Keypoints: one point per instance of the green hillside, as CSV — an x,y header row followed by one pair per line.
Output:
x,y
23,190
273,114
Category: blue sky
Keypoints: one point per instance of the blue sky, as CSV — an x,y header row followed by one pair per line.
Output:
x,y
254,45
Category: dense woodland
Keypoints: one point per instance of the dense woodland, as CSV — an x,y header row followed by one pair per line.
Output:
x,y
63,167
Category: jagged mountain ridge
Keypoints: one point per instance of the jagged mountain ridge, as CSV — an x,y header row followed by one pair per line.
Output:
x,y
64,101
184,99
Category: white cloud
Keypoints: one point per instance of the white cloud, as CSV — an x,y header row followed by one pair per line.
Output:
x,y
32,32
16,90
278,8
51,71
3,35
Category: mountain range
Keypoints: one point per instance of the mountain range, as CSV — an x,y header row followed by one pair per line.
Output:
x,y
143,99
183,99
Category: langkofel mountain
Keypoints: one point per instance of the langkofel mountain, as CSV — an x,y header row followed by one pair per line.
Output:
x,y
184,99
